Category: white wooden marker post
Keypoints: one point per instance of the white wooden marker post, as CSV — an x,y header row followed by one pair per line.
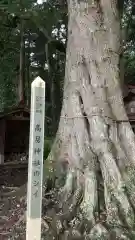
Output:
x,y
35,168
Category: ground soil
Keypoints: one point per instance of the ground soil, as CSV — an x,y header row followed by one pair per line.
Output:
x,y
12,203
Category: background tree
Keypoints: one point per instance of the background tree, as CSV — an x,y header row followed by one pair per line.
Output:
x,y
38,36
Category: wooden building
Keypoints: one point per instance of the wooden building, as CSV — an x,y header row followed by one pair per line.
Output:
x,y
14,134
129,101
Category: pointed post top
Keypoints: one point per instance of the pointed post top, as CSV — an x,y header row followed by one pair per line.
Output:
x,y
38,82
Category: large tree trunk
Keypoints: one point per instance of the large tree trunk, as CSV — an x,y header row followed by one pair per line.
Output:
x,y
95,144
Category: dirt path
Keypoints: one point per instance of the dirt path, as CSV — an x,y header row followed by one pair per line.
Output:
x,y
12,203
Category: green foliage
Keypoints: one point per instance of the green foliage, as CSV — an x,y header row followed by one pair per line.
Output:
x,y
43,26
47,146
130,68
129,41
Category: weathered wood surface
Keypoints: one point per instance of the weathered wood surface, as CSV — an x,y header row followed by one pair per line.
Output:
x,y
14,164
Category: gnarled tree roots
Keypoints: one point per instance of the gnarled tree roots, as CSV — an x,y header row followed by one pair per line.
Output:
x,y
94,196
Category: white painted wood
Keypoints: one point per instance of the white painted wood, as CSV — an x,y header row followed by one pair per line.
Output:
x,y
35,169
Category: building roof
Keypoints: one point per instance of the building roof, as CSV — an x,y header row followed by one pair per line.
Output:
x,y
129,93
18,108
14,109
131,117
131,86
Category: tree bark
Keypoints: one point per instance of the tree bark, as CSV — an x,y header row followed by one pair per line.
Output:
x,y
95,145
21,86
28,70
